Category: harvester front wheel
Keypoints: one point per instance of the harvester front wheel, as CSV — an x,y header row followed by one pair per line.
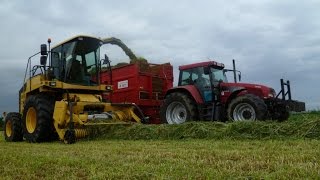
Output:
x,y
37,118
178,108
13,127
247,108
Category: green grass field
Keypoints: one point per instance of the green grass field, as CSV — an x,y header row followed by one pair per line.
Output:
x,y
235,151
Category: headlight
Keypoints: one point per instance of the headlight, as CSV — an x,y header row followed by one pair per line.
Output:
x,y
52,83
109,88
272,93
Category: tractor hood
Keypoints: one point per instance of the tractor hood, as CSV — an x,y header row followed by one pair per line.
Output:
x,y
256,89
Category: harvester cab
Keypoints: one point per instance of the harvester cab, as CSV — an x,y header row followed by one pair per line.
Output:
x,y
62,97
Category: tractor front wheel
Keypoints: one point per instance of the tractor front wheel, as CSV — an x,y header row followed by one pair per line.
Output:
x,y
247,108
37,118
13,127
177,108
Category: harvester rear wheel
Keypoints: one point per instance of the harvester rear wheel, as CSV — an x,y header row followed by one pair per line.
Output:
x,y
13,127
247,108
37,118
177,108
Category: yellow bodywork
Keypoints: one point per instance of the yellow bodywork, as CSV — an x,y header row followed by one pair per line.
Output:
x,y
9,128
31,121
40,84
80,118
74,107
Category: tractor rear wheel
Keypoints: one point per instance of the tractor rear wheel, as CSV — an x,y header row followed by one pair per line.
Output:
x,y
13,127
37,118
247,108
178,108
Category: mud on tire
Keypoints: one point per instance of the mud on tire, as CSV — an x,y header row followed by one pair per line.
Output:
x,y
178,108
247,108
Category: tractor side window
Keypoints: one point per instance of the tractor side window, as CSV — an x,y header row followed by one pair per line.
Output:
x,y
202,82
186,78
200,78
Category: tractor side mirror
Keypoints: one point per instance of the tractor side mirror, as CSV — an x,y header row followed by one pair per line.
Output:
x,y
43,49
239,75
43,60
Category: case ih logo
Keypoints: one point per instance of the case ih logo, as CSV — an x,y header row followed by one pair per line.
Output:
x,y
122,84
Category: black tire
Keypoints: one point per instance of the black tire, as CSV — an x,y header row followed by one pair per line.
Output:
x,y
40,128
178,108
13,127
281,113
247,108
284,116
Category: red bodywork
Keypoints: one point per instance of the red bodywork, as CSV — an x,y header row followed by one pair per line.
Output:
x,y
141,83
228,88
146,85
189,89
201,64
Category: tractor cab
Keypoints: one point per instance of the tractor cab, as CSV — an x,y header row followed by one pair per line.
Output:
x,y
205,76
76,61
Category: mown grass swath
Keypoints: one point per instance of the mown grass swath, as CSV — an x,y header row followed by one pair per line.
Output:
x,y
304,125
204,150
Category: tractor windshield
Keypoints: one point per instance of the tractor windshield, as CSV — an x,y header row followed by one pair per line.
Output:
x,y
76,62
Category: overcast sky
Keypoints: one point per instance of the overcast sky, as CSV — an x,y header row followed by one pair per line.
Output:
x,y
269,39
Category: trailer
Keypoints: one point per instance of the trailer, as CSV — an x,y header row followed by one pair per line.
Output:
x,y
142,83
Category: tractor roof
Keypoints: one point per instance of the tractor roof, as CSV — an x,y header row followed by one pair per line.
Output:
x,y
76,38
201,64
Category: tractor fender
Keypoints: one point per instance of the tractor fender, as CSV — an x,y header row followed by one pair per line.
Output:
x,y
190,90
234,92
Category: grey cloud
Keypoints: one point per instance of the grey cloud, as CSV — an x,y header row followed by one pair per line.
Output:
x,y
269,39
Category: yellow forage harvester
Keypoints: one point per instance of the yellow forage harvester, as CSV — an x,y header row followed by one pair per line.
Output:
x,y
62,97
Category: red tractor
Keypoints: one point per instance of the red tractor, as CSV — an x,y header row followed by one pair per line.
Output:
x,y
203,93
